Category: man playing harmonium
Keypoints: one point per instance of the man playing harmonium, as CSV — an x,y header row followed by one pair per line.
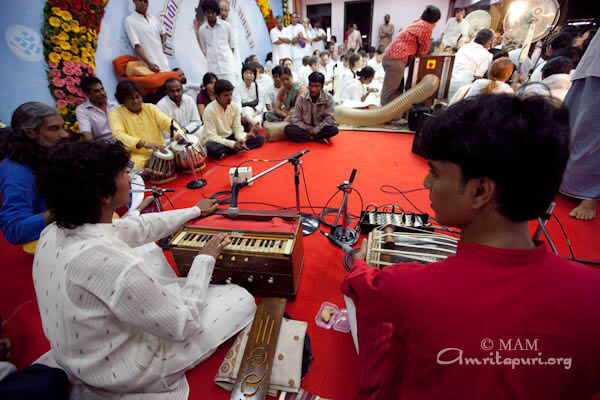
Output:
x,y
137,124
35,128
118,327
504,317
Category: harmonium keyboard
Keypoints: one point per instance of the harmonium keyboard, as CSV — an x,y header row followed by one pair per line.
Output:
x,y
266,253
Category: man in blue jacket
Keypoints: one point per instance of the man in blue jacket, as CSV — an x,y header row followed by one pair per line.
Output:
x,y
35,128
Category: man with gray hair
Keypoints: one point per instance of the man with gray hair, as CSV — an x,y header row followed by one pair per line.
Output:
x,y
35,128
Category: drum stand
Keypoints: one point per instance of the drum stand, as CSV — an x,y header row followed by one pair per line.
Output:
x,y
196,183
342,233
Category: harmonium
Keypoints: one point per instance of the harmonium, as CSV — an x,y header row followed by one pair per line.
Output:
x,y
266,253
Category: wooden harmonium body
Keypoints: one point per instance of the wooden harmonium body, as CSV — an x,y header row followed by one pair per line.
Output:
x,y
266,253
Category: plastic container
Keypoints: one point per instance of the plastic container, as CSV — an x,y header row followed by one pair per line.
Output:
x,y
342,324
319,321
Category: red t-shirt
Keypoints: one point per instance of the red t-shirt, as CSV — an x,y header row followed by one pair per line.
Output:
x,y
414,39
483,303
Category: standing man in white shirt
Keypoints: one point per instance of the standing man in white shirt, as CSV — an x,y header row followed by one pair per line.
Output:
x,y
147,36
217,43
119,328
319,36
180,107
298,35
280,37
224,10
472,61
455,28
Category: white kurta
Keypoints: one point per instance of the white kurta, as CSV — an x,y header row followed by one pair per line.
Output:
x,y
266,86
310,34
527,63
282,50
146,32
471,60
481,84
355,40
117,326
237,58
186,115
354,90
558,84
343,75
319,44
217,42
297,51
453,31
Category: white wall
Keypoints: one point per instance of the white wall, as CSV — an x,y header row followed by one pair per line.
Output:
x,y
402,13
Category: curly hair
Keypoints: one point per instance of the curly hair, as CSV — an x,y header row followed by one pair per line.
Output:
x,y
77,177
16,145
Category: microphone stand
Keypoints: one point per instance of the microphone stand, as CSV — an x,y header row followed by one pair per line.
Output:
x,y
157,194
196,183
309,223
342,233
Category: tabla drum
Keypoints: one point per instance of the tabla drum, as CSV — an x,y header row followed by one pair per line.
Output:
x,y
161,167
275,131
182,155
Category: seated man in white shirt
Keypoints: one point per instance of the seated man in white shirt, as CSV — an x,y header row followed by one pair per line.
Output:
x,y
92,115
556,80
116,326
223,130
147,36
472,61
270,86
250,97
311,66
180,107
377,64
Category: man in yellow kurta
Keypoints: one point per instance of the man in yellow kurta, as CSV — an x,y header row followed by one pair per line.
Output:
x,y
137,124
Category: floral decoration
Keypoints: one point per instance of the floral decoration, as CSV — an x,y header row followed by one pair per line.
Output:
x,y
267,13
70,34
287,17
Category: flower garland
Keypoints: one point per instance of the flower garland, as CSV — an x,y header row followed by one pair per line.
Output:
x,y
287,17
267,13
70,34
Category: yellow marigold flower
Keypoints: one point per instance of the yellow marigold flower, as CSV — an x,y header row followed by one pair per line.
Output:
x,y
56,10
82,29
66,55
84,52
65,46
66,27
63,36
55,22
75,59
66,16
54,57
74,50
57,49
54,39
62,109
75,29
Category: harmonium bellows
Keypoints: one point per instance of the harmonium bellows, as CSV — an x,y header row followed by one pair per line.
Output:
x,y
264,256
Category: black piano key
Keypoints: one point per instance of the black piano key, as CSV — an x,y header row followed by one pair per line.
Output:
x,y
187,236
248,241
281,244
206,238
261,243
253,242
199,238
272,243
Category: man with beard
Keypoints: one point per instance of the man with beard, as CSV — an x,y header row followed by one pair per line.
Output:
x,y
180,107
92,114
36,127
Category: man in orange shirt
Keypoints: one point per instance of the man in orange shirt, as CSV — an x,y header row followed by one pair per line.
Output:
x,y
414,39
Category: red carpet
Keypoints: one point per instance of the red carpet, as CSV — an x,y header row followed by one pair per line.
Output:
x,y
381,158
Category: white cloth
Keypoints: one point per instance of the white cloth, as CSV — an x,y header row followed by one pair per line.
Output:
x,y
559,85
303,75
217,42
355,40
453,31
186,115
244,94
282,50
266,86
378,67
343,75
6,369
353,90
481,84
297,51
527,63
192,89
114,325
536,75
310,34
319,44
471,60
146,32
237,58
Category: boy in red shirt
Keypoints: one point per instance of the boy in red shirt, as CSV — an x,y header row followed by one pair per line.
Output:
x,y
504,318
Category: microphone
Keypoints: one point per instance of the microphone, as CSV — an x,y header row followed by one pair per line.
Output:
x,y
332,239
297,155
233,210
152,190
188,142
